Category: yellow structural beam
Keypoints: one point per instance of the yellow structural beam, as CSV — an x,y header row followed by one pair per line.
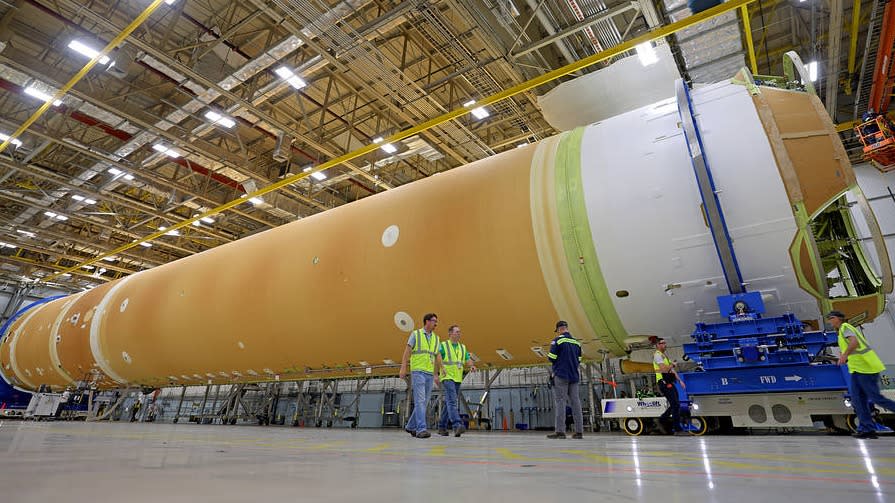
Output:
x,y
528,85
80,75
747,29
853,41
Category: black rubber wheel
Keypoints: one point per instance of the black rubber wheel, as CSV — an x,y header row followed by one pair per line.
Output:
x,y
852,422
632,425
701,425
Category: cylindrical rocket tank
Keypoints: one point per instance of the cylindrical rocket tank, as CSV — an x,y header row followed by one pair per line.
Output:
x,y
602,227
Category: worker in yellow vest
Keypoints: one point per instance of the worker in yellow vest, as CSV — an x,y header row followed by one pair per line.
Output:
x,y
666,377
455,358
425,364
864,367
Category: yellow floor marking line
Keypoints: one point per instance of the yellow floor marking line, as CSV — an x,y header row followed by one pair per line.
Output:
x,y
378,448
438,450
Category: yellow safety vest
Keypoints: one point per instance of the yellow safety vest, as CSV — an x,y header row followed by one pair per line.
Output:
x,y
453,361
864,359
422,357
656,365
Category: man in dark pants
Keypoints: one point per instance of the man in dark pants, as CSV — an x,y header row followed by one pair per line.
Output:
x,y
864,367
666,376
565,355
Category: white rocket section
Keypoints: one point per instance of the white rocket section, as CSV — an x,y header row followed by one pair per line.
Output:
x,y
656,245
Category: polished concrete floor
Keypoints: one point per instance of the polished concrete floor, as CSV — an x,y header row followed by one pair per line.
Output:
x,y
132,462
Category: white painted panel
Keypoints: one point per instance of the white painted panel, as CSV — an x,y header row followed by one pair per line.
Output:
x,y
752,196
644,213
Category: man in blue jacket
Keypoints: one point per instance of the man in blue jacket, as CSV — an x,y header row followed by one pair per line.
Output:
x,y
565,355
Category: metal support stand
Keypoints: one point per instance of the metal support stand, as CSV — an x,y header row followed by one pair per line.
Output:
x,y
592,418
179,403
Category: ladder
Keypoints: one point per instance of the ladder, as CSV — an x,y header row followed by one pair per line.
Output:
x,y
871,47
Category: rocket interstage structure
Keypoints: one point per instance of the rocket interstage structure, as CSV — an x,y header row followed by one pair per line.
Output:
x,y
604,226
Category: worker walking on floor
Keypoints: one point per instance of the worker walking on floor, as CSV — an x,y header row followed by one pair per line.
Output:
x,y
565,355
425,364
864,367
666,377
455,358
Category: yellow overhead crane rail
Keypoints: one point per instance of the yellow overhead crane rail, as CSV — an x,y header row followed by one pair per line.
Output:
x,y
593,59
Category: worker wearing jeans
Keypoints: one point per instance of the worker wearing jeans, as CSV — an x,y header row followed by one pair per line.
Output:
x,y
454,357
864,367
425,363
666,377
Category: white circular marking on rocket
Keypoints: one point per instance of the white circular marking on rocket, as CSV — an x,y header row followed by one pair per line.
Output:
x,y
404,321
390,236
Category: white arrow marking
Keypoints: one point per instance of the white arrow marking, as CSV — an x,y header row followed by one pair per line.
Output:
x,y
793,378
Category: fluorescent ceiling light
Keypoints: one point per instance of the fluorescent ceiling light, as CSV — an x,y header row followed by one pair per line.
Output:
x,y
647,53
86,50
146,245
290,77
308,168
27,233
168,151
173,232
170,2
77,197
37,93
7,245
66,275
318,176
812,71
14,141
115,171
217,118
207,220
479,113
378,139
128,177
61,217
521,145
296,82
110,259
388,148
256,200
50,214
89,201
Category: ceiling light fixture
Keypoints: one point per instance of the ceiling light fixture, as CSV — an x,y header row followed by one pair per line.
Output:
x,y
478,112
217,118
290,77
86,50
168,151
14,141
37,93
318,176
